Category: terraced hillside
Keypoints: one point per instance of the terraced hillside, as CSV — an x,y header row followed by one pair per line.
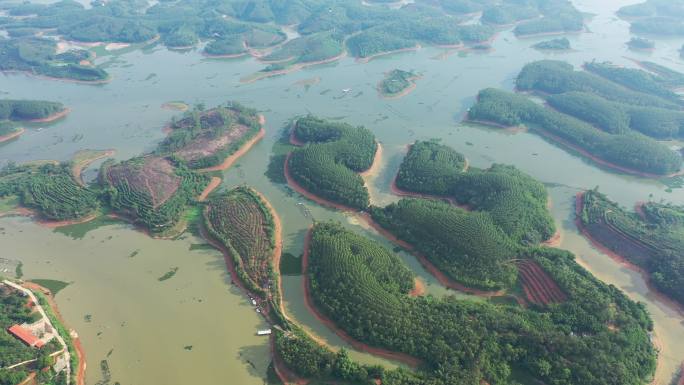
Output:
x,y
151,190
652,237
241,222
50,190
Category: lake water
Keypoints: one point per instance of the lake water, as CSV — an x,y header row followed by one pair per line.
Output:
x,y
196,327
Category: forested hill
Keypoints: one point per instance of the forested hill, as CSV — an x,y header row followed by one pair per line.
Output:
x,y
613,149
655,17
515,201
20,110
652,237
329,165
50,190
597,336
327,27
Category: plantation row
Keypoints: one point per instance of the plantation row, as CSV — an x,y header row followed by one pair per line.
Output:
x,y
467,246
538,286
152,197
615,99
653,242
515,201
631,151
329,165
363,288
239,220
48,189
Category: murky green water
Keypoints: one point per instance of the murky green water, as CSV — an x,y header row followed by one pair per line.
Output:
x,y
148,323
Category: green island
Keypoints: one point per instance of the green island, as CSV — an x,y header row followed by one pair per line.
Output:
x,y
650,237
23,110
244,226
154,190
205,138
655,17
39,56
329,165
50,190
637,43
629,114
562,44
501,209
398,83
597,335
30,347
515,201
12,112
612,150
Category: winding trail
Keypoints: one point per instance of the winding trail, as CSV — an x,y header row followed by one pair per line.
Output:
x,y
213,184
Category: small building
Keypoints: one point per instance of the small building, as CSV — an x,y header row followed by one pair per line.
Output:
x,y
26,336
264,332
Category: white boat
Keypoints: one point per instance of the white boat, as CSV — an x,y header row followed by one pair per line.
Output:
x,y
253,302
345,90
264,332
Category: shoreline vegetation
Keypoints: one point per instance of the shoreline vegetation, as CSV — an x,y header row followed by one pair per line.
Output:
x,y
73,335
14,134
26,363
55,195
619,240
597,113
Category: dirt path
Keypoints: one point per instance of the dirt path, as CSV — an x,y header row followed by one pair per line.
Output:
x,y
80,374
308,300
53,306
213,184
10,136
53,117
237,154
419,288
78,167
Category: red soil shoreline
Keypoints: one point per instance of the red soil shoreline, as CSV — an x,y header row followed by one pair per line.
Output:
x,y
293,68
237,154
53,117
670,303
213,184
12,135
585,153
77,168
308,300
26,212
65,80
412,86
432,269
377,55
419,288
80,371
